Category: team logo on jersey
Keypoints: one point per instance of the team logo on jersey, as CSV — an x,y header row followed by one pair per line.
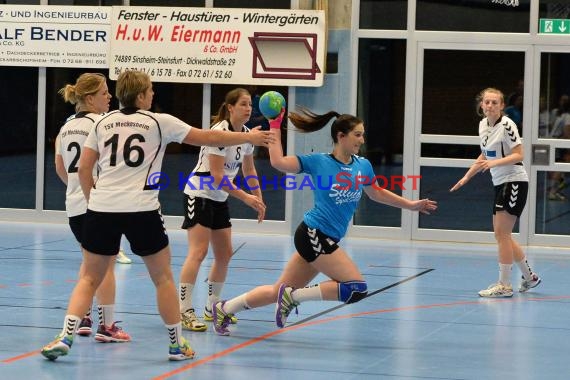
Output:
x,y
511,133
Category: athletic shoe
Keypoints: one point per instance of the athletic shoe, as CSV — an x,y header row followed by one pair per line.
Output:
x,y
191,322
85,327
180,352
497,290
59,347
122,258
208,316
221,319
532,282
113,334
285,305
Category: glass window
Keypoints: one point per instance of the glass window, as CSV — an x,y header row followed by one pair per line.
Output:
x,y
452,80
450,151
273,196
381,85
261,4
554,9
506,16
470,208
18,134
57,112
552,206
554,116
384,14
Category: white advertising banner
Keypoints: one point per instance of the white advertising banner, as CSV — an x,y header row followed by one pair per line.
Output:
x,y
54,36
218,45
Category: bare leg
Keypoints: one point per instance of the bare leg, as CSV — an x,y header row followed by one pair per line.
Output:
x,y
93,271
158,266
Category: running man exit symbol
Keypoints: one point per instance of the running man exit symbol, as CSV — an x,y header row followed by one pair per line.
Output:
x,y
548,26
554,26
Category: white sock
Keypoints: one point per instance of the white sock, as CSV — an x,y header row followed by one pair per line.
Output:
x,y
106,314
175,333
309,293
214,291
185,290
524,268
236,304
505,273
70,325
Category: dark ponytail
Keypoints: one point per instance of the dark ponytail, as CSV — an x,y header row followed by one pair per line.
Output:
x,y
308,121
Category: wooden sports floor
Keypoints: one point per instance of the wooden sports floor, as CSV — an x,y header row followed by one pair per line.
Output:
x,y
422,319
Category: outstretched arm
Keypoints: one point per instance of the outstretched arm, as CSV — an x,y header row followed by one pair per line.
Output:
x,y
199,137
380,195
475,168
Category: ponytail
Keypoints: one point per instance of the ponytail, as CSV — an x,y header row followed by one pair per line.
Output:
x,y
307,121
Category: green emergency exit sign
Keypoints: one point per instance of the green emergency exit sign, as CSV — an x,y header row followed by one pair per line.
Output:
x,y
554,26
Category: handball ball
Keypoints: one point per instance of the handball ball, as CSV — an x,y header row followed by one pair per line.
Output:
x,y
270,104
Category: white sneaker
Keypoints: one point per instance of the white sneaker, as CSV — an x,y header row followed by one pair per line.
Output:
x,y
532,282
497,290
122,258
191,322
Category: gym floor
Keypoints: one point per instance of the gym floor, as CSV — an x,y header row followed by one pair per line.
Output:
x,y
422,319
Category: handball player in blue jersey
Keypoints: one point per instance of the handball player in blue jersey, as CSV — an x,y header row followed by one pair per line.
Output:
x,y
323,226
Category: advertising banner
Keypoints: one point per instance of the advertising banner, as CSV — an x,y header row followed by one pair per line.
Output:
x,y
54,36
217,45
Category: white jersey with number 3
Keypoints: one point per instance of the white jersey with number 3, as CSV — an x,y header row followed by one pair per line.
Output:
x,y
498,141
131,145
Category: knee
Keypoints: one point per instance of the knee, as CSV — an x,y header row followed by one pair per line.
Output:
x,y
352,291
198,254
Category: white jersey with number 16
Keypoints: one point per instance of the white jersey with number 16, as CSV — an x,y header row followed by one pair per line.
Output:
x,y
131,145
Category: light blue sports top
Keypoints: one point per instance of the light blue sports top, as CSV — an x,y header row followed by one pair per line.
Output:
x,y
337,190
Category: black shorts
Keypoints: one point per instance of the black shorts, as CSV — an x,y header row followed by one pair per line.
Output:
x,y
510,197
76,225
144,230
206,212
310,243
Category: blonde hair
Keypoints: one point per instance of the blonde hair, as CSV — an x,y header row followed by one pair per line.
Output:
x,y
129,84
481,95
86,84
